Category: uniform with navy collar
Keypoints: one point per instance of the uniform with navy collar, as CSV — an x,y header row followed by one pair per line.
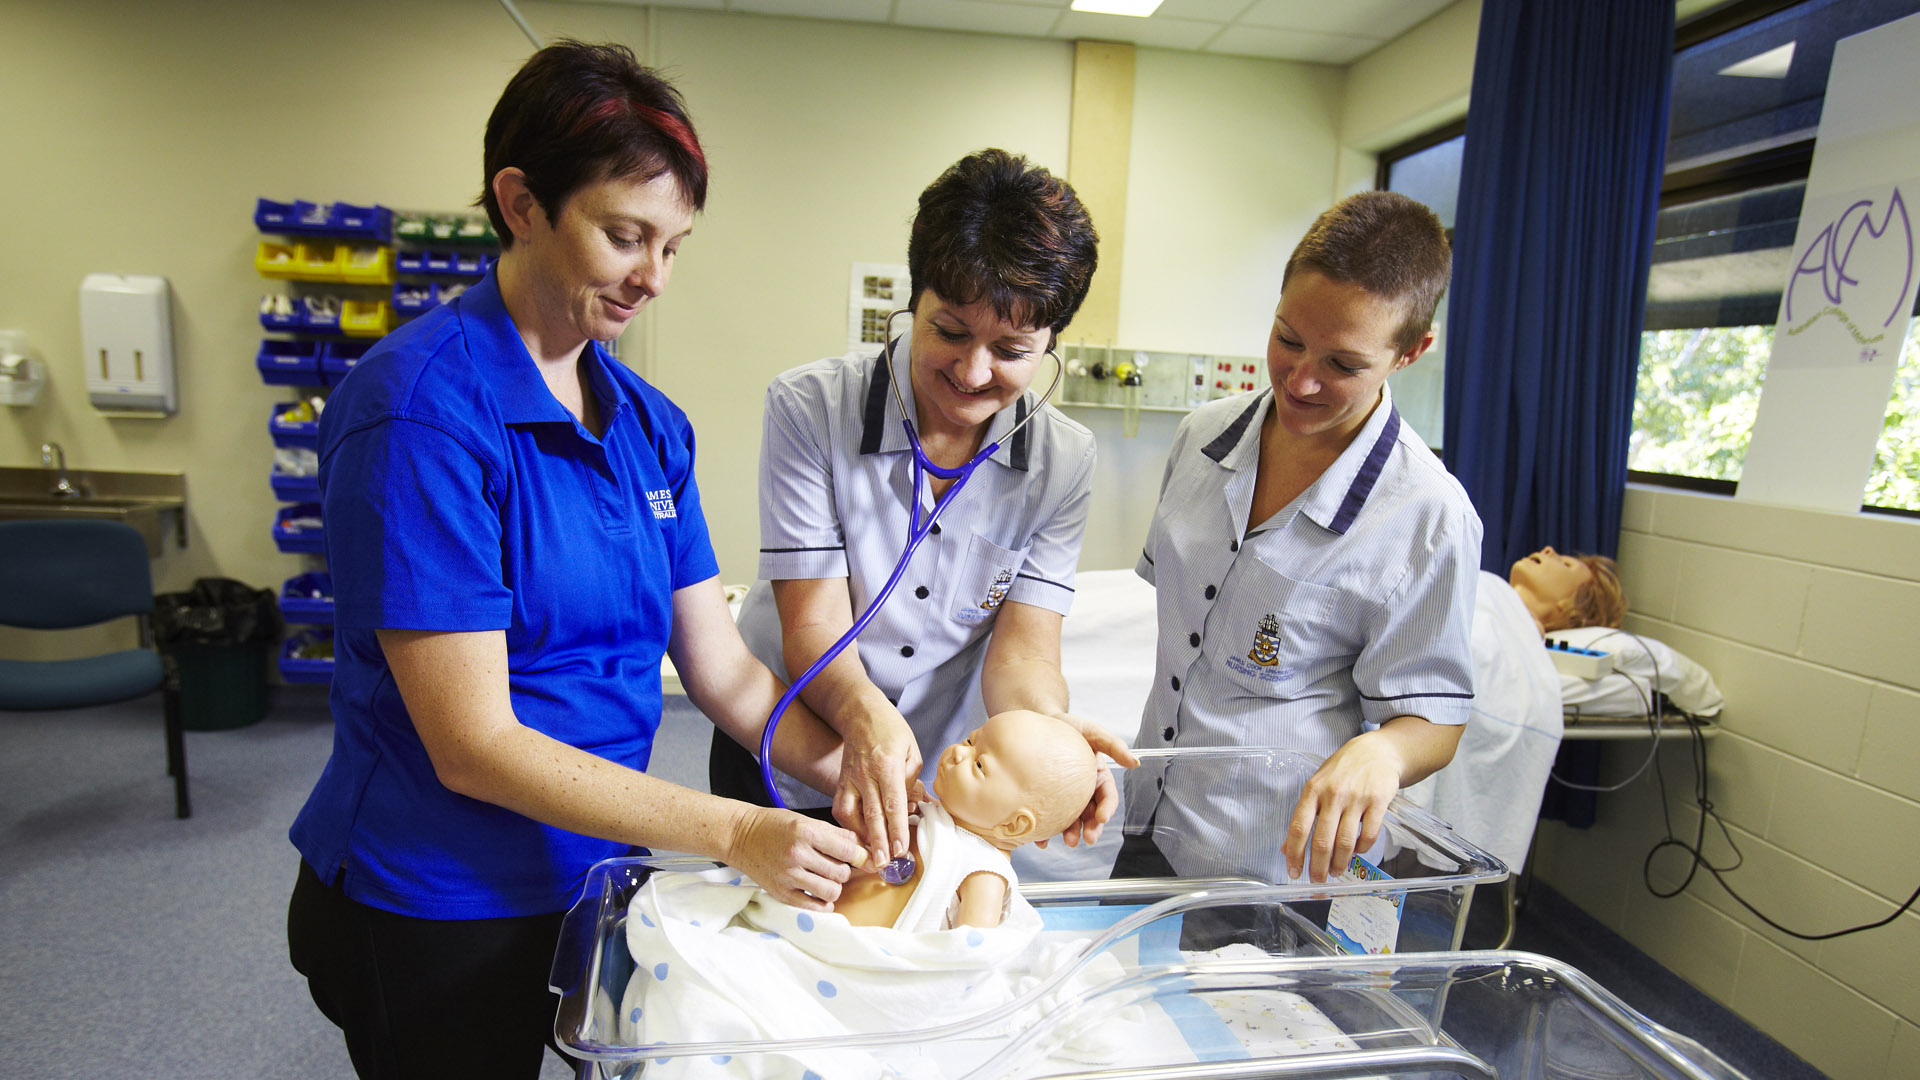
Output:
x,y
1350,606
835,480
460,495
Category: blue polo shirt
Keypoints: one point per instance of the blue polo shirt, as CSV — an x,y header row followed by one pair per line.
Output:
x,y
459,495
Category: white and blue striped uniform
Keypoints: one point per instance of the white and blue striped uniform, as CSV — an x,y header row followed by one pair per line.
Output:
x,y
1350,606
836,477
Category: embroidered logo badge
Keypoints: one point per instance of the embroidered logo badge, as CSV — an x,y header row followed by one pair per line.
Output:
x,y
662,503
1262,662
1266,642
997,591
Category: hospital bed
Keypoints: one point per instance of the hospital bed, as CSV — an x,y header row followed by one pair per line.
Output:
x,y
1227,975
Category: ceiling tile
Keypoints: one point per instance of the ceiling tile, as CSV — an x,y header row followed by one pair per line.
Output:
x,y
1155,32
1376,19
850,10
1291,45
704,5
1220,11
979,16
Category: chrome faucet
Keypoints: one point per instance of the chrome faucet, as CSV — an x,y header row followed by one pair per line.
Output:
x,y
52,456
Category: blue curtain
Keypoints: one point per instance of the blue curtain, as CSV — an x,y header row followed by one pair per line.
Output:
x,y
1559,184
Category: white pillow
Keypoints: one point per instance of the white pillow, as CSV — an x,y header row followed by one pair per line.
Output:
x,y
1639,662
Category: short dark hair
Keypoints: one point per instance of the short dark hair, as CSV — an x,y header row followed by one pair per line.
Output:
x,y
575,114
999,228
1389,245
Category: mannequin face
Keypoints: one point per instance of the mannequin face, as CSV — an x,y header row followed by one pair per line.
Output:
x,y
1547,581
983,780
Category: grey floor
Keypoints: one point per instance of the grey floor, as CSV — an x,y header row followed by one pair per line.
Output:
x,y
133,943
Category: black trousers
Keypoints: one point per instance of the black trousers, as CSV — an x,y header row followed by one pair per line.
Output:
x,y
425,997
733,773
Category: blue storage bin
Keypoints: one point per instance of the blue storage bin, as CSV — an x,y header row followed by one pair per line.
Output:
x,y
303,218
375,221
339,357
410,262
303,434
289,363
470,264
412,298
295,489
307,599
438,262
303,670
275,320
316,317
298,541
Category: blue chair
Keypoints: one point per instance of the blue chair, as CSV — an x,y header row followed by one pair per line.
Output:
x,y
57,575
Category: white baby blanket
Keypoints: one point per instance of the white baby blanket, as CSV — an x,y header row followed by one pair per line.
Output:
x,y
718,959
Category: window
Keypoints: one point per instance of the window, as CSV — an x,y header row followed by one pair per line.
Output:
x,y
1749,80
1426,168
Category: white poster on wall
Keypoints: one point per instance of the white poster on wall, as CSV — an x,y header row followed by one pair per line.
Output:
x,y
1850,287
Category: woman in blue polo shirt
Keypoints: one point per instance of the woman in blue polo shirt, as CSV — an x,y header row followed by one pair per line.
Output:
x,y
516,539
1000,255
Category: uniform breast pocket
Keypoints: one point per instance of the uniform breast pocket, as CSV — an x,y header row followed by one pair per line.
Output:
x,y
1278,632
986,576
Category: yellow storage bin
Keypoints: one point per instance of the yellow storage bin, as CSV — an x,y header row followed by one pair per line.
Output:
x,y
316,260
366,318
366,265
276,260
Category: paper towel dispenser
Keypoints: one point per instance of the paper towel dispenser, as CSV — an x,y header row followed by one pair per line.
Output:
x,y
126,332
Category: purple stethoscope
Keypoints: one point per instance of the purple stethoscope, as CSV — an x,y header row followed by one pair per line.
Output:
x,y
901,869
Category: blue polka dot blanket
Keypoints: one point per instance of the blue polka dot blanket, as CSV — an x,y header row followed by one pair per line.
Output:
x,y
717,960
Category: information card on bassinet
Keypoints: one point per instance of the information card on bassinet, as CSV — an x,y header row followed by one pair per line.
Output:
x,y
1366,925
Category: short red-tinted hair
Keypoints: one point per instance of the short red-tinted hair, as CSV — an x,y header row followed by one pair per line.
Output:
x,y
575,114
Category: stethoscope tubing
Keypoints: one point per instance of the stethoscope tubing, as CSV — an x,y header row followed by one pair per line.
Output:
x,y
917,531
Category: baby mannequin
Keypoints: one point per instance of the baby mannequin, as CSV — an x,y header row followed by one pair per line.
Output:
x,y
1019,777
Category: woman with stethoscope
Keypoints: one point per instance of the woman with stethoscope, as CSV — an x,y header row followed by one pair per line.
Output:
x,y
1000,256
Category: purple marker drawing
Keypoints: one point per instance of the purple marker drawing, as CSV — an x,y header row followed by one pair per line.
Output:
x,y
1828,255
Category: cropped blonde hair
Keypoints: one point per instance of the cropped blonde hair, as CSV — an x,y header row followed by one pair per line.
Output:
x,y
1601,601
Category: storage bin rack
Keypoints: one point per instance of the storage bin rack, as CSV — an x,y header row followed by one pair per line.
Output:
x,y
328,330
437,256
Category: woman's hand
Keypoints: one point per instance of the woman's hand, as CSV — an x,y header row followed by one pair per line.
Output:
x,y
1342,806
799,860
1345,800
880,759
1106,794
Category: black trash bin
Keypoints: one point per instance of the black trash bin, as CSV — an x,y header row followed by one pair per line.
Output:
x,y
218,637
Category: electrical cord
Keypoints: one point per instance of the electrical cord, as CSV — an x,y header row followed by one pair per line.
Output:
x,y
1649,701
1696,851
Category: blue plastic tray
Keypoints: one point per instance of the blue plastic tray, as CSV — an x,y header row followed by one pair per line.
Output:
x,y
303,434
298,541
295,488
339,357
297,605
303,218
289,363
301,670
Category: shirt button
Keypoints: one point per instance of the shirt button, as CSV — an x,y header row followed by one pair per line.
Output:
x,y
1209,593
1167,734
921,592
1193,640
906,650
1233,545
1176,682
936,529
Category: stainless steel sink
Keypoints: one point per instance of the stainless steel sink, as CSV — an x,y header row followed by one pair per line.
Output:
x,y
143,500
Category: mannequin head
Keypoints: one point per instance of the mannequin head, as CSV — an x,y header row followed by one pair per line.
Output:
x,y
1565,591
1019,777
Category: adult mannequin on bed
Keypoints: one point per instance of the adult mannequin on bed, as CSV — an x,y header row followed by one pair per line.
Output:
x,y
1491,791
1021,776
